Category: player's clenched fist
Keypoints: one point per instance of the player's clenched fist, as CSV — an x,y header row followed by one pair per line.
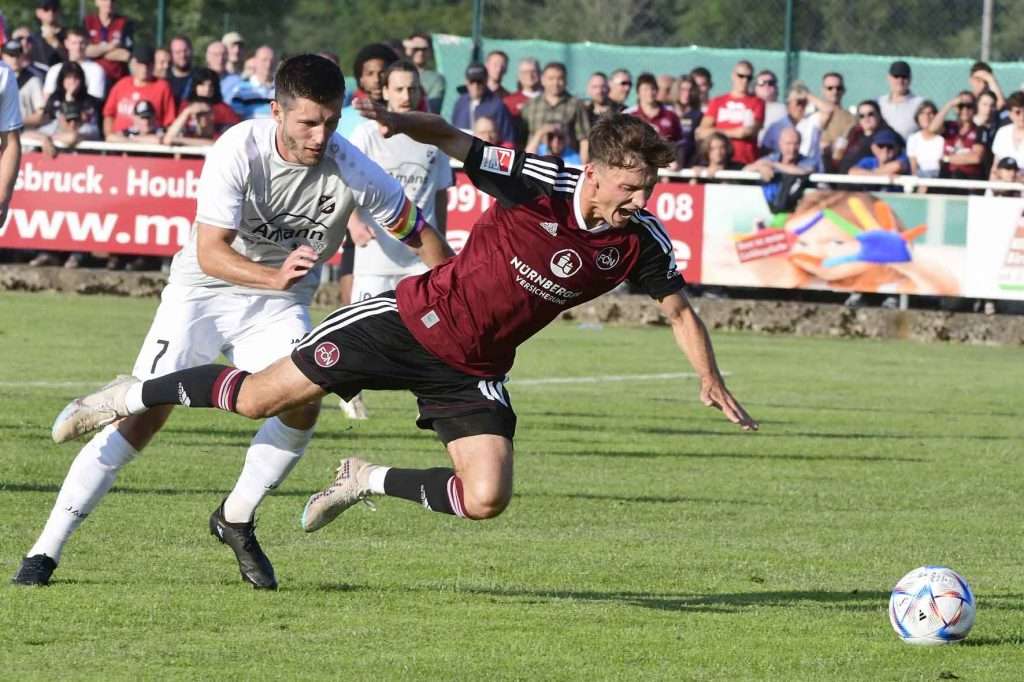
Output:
x,y
295,267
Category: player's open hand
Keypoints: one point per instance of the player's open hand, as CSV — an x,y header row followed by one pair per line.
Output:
x,y
295,267
715,394
387,120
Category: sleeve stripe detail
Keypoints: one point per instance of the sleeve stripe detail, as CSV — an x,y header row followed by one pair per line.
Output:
x,y
536,161
657,231
550,169
550,181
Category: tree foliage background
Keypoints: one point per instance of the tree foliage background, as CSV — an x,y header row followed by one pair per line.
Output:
x,y
938,28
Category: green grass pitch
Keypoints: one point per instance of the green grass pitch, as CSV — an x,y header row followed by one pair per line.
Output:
x,y
648,538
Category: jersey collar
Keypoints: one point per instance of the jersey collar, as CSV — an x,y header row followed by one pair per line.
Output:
x,y
578,212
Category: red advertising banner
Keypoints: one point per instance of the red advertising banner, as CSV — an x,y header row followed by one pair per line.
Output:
x,y
145,205
115,204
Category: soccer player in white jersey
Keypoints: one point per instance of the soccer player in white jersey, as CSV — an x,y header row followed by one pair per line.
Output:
x,y
425,174
274,200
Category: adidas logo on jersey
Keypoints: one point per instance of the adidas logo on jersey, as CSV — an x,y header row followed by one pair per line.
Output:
x,y
550,228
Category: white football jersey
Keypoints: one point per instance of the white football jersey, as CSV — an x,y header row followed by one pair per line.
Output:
x,y
277,206
10,110
422,170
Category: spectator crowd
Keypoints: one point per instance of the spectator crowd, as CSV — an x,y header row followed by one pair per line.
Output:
x,y
96,82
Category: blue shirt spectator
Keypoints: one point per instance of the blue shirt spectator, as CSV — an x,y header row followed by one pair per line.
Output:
x,y
479,101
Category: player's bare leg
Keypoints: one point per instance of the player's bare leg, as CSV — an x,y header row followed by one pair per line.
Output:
x,y
479,486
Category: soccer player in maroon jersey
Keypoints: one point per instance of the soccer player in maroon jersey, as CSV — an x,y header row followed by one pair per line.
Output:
x,y
555,238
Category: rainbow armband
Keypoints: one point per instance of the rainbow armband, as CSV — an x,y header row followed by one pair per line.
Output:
x,y
409,224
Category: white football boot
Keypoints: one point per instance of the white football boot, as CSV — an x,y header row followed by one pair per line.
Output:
x,y
351,485
94,411
355,408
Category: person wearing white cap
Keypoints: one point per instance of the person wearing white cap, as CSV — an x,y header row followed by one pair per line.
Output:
x,y
235,43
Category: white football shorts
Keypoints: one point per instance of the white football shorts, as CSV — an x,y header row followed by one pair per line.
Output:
x,y
368,286
195,325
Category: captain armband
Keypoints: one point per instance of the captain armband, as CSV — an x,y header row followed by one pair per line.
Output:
x,y
409,224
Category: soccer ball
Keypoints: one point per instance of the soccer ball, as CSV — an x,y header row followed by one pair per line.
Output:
x,y
931,605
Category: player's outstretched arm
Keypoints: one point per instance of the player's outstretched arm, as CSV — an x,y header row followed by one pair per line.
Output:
x,y
420,126
692,338
218,259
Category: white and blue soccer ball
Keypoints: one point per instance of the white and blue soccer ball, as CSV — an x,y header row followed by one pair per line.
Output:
x,y
932,605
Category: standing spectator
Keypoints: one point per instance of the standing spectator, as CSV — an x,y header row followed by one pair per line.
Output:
x,y
480,101
661,117
23,35
119,110
687,108
620,84
738,115
235,44
559,107
715,155
111,38
74,46
886,157
926,147
900,105
527,87
986,118
797,117
666,84
48,41
869,122
10,138
205,116
835,121
598,102
180,75
161,63
252,97
485,128
702,77
550,140
982,79
30,87
1009,140
963,151
766,86
217,61
419,50
496,64
370,62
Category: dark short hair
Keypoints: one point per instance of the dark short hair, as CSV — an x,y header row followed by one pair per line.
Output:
x,y
700,71
602,74
368,53
555,65
494,52
309,76
646,78
625,141
1015,100
75,31
833,74
981,66
925,104
403,65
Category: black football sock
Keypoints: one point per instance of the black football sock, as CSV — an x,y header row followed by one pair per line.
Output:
x,y
438,490
204,386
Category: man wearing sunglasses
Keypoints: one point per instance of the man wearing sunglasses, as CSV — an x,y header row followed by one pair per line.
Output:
x,y
900,105
738,115
834,120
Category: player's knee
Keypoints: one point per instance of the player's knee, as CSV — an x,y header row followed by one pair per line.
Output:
x,y
250,404
302,417
139,429
486,501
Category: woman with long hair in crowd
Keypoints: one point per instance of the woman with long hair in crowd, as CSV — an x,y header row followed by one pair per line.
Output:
x,y
986,118
926,147
686,104
869,122
205,117
715,155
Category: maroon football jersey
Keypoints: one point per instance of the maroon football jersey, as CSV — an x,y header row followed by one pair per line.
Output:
x,y
528,258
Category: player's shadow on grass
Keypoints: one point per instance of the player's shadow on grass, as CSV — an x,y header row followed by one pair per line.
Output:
x,y
660,454
887,409
645,499
736,602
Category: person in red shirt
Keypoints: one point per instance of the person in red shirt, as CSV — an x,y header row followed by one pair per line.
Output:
x,y
140,84
555,237
964,150
659,116
111,38
737,115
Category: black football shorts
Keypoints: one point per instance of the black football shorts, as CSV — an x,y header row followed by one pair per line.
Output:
x,y
366,346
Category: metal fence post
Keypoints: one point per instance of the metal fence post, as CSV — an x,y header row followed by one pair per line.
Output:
x,y
787,45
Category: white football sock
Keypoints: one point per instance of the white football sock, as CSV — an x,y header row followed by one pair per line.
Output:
x,y
88,480
376,480
275,449
133,399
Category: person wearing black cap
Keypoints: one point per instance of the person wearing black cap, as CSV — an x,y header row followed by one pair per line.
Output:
x,y
118,111
478,100
30,86
900,105
886,158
